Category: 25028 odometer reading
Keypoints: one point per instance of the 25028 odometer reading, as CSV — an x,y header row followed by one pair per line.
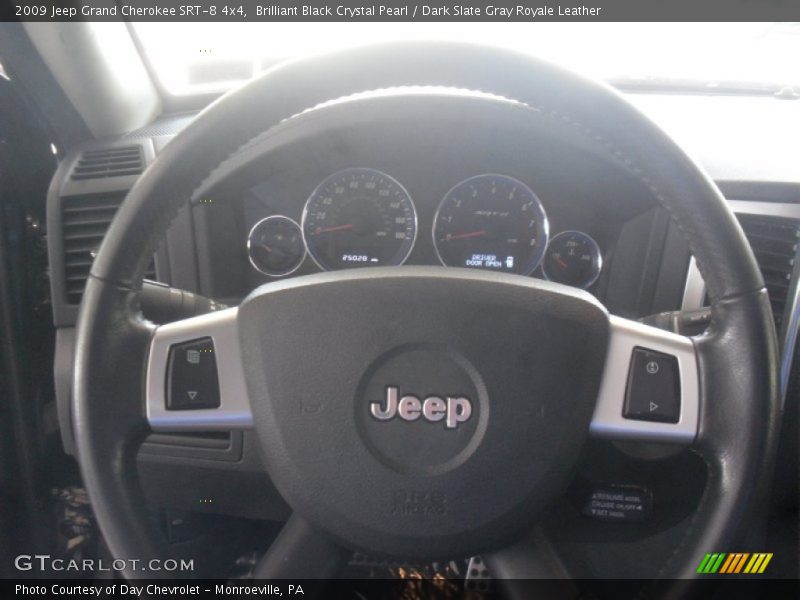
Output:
x,y
359,217
493,222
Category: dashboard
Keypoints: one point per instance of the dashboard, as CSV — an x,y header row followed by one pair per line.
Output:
x,y
361,217
427,191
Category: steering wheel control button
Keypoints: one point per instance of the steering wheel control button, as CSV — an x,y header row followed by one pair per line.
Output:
x,y
192,381
654,390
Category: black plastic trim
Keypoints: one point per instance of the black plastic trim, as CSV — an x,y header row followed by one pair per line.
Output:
x,y
224,446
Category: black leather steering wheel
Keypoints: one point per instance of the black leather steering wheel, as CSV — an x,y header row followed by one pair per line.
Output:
x,y
525,426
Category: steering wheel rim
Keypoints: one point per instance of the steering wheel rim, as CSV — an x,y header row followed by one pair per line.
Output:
x,y
737,357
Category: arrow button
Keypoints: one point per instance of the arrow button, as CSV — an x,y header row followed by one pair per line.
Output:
x,y
192,382
653,391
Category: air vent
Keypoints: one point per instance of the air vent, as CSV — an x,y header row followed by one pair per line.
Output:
x,y
774,241
109,162
85,220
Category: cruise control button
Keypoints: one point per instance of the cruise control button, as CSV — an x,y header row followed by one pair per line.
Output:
x,y
192,381
654,389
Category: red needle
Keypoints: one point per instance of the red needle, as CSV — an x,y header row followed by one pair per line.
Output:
x,y
461,236
561,262
332,229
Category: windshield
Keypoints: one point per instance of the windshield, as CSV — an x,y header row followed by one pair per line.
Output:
x,y
192,58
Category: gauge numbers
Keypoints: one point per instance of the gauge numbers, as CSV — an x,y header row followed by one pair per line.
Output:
x,y
492,222
359,217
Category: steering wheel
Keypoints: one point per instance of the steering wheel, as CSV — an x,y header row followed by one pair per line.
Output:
x,y
422,430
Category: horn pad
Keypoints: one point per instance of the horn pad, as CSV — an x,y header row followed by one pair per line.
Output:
x,y
420,411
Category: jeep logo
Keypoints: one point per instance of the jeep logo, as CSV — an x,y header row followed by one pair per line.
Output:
x,y
453,410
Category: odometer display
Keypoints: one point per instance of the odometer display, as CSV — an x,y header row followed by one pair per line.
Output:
x,y
359,218
492,222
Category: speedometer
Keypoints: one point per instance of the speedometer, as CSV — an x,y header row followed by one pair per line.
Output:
x,y
492,222
359,217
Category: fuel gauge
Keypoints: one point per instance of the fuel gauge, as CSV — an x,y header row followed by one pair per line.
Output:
x,y
573,258
275,246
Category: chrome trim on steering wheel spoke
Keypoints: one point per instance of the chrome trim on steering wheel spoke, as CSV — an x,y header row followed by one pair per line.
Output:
x,y
234,410
608,420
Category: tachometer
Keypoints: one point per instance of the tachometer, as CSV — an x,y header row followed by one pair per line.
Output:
x,y
492,222
359,218
573,258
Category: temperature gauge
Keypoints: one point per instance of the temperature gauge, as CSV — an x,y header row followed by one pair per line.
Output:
x,y
275,246
573,258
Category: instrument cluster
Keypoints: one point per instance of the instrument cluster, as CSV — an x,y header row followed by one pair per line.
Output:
x,y
362,217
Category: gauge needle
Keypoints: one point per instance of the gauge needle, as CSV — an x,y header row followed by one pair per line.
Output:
x,y
461,236
561,262
333,229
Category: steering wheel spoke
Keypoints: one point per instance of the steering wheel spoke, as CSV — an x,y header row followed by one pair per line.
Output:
x,y
533,557
195,375
300,552
650,390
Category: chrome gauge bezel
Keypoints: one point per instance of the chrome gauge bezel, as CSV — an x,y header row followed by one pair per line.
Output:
x,y
338,173
545,220
299,262
597,262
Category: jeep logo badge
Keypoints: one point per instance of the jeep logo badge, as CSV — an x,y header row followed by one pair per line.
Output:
x,y
452,411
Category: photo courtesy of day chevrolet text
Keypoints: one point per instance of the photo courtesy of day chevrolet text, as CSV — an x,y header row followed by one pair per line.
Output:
x,y
127,590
